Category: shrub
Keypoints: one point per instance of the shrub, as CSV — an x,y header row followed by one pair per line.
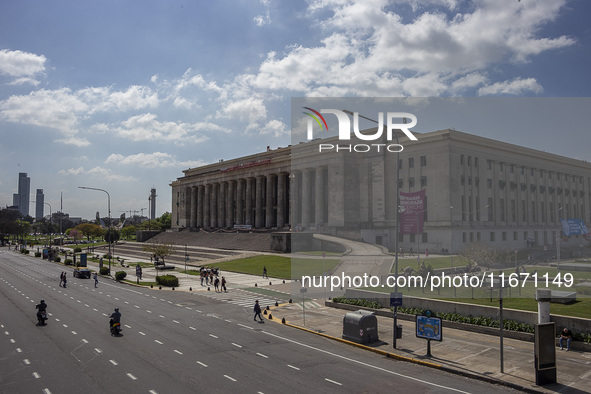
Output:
x,y
57,259
120,275
358,302
104,271
68,262
37,254
167,280
106,256
77,250
26,251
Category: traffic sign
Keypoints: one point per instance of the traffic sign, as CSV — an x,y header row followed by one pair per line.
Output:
x,y
395,299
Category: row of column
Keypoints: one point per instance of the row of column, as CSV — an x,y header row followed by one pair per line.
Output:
x,y
261,201
310,197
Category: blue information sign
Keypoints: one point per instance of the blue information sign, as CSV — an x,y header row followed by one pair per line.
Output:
x,y
395,299
429,328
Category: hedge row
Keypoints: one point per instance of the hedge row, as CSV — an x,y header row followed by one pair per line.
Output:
x,y
167,280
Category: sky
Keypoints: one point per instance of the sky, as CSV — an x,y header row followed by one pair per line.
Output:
x,y
125,95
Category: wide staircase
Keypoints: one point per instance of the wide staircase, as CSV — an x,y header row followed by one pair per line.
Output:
x,y
255,242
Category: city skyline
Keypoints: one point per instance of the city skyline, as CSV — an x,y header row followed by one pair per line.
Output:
x,y
166,87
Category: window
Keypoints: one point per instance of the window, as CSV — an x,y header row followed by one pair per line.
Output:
x,y
489,183
515,236
423,161
502,209
525,235
424,238
461,160
464,237
476,162
423,181
411,182
400,183
469,161
492,236
512,169
478,236
489,164
531,172
501,167
522,170
490,209
523,211
541,173
513,211
471,237
462,180
504,235
533,211
411,162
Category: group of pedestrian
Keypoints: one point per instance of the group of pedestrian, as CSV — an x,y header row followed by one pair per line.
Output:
x,y
63,279
209,275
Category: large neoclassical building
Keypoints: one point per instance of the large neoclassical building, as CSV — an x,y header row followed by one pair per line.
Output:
x,y
475,189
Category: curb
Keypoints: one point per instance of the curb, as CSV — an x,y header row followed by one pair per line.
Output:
x,y
428,364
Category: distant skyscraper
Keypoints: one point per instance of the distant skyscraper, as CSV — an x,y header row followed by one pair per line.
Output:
x,y
152,204
15,200
24,191
39,202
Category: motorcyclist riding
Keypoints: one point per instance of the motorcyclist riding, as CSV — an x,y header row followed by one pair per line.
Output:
x,y
115,318
41,308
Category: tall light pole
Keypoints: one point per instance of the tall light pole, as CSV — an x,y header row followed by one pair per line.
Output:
x,y
109,207
395,328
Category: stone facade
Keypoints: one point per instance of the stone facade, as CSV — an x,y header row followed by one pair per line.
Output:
x,y
477,189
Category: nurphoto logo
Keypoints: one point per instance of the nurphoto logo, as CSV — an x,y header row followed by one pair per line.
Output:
x,y
345,130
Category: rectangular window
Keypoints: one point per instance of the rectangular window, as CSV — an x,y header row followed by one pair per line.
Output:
x,y
525,235
501,167
490,210
513,211
478,236
469,161
489,183
502,209
411,182
464,237
512,169
476,162
423,181
461,160
515,236
523,211
411,162
533,211
471,237
492,236
423,161
463,208
504,235
541,173
424,238
477,209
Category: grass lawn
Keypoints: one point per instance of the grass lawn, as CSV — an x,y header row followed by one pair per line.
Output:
x,y
278,266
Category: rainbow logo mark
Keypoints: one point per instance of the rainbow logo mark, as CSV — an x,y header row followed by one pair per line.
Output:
x,y
310,133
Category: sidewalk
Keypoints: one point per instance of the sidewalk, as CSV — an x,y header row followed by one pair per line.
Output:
x,y
461,352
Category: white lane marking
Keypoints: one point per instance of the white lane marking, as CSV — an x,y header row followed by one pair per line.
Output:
x,y
12,340
26,361
176,351
127,326
291,366
141,333
84,340
162,299
65,325
131,376
213,336
56,319
6,333
262,355
99,351
237,345
113,362
242,325
153,392
229,321
126,302
332,381
161,316
229,377
148,311
94,309
46,391
177,322
192,328
200,363
18,350
36,375
189,308
86,305
117,298
157,341
365,364
198,311
137,306
74,332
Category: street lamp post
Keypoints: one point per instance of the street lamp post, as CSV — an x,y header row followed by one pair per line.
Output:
x,y
109,208
396,232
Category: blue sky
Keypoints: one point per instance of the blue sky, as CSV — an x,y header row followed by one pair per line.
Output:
x,y
125,95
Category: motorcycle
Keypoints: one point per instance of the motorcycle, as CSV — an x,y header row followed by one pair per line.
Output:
x,y
41,318
115,329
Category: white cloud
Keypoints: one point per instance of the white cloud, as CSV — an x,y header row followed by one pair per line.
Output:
x,y
21,64
275,128
102,173
249,110
146,127
151,160
104,99
516,87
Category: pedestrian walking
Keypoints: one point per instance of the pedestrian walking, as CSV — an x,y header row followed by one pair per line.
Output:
x,y
257,311
426,252
61,278
216,284
224,284
265,272
65,280
202,276
95,279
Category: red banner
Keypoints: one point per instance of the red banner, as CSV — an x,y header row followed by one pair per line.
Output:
x,y
412,212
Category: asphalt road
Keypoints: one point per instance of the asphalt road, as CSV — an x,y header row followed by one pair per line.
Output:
x,y
175,342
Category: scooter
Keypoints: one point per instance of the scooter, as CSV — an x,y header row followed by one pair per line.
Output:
x,y
41,318
115,329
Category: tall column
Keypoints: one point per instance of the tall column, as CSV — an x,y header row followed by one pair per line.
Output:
x,y
207,206
240,201
258,223
269,202
230,197
248,214
193,215
222,205
214,205
295,196
200,192
280,200
306,198
319,197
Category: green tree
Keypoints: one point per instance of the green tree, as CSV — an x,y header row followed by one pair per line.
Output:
x,y
90,230
128,231
8,221
111,235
